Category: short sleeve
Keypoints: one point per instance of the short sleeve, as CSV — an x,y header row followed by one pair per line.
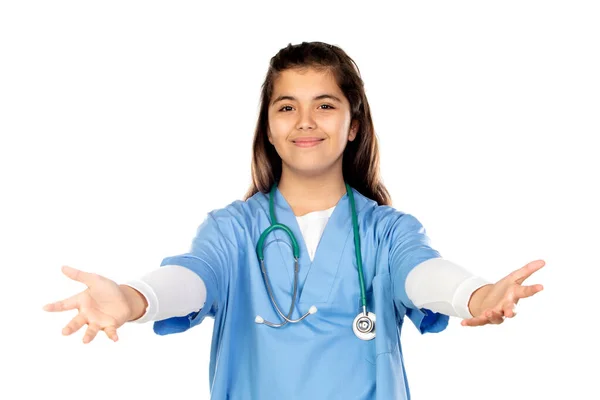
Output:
x,y
209,257
410,246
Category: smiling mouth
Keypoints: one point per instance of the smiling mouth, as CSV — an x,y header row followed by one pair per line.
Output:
x,y
307,142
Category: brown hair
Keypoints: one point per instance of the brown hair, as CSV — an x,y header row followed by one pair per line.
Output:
x,y
360,163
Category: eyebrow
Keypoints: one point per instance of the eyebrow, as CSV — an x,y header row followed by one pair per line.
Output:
x,y
319,97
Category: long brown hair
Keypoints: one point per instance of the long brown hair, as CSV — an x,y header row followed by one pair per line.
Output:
x,y
360,161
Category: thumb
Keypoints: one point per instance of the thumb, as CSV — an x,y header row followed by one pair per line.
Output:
x,y
78,275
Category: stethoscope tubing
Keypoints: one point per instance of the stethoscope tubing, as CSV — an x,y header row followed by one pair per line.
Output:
x,y
364,325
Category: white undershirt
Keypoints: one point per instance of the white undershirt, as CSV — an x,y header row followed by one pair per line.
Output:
x,y
436,284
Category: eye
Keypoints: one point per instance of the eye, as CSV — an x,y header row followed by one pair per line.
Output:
x,y
281,109
328,106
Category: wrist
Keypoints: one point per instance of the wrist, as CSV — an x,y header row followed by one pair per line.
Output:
x,y
476,300
137,302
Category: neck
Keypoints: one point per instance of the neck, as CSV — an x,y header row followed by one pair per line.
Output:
x,y
308,193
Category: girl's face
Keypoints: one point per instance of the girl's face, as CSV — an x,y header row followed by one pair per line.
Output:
x,y
309,121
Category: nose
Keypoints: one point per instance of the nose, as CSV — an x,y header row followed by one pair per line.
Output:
x,y
305,121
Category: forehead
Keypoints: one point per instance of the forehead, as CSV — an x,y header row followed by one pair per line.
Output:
x,y
305,83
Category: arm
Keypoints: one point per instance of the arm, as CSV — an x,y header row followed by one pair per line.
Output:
x,y
211,258
478,302
442,286
409,247
170,291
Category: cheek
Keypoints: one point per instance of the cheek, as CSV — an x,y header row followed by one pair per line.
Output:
x,y
278,130
338,131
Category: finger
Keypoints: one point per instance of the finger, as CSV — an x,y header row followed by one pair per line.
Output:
x,y
74,324
63,305
111,332
525,272
509,309
78,275
476,321
522,292
494,317
509,305
90,333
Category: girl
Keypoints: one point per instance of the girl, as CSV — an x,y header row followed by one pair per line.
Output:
x,y
310,278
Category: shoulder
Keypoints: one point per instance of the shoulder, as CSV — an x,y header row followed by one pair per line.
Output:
x,y
387,220
240,212
228,226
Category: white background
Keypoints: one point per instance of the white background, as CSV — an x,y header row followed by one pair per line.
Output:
x,y
123,123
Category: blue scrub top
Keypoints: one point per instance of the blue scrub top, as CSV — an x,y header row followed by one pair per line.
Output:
x,y
319,357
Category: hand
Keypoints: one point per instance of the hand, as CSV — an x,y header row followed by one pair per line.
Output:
x,y
490,304
102,306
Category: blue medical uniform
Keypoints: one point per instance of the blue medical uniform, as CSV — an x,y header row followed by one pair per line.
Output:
x,y
319,357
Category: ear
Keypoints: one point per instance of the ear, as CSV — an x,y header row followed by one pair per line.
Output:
x,y
353,130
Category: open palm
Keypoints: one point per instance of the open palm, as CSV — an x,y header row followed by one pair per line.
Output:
x,y
499,300
102,306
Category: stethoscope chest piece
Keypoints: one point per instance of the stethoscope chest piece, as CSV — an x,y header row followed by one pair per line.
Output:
x,y
364,326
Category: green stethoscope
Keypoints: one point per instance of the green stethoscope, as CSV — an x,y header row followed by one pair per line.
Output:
x,y
364,323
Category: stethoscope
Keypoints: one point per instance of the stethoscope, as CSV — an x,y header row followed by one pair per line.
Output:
x,y
364,323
